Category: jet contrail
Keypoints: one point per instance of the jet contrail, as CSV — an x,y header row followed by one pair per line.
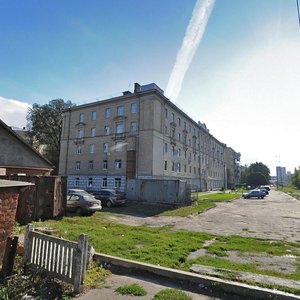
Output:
x,y
192,38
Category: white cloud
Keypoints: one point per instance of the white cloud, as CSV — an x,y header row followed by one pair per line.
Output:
x,y
13,112
192,38
260,113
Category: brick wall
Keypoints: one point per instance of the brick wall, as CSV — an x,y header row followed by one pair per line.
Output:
x,y
8,207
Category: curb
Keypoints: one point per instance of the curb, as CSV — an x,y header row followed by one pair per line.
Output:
x,y
241,289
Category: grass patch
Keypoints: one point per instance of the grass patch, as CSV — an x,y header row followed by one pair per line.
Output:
x,y
291,190
161,246
171,294
244,244
95,275
132,289
203,203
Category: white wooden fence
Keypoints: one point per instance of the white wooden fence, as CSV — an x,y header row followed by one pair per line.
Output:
x,y
62,259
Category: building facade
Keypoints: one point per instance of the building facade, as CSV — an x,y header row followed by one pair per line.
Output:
x,y
139,135
283,177
233,174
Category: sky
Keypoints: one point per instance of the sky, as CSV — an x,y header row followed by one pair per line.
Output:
x,y
241,77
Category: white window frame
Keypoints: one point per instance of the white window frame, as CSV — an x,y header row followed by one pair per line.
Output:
x,y
120,127
107,112
93,131
134,108
120,110
92,148
94,115
106,130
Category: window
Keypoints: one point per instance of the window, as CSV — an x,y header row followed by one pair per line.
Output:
x,y
166,113
166,165
91,164
173,132
90,182
118,163
80,133
107,113
194,170
190,143
105,147
184,153
77,181
184,125
78,165
119,127
178,167
173,166
179,122
166,148
179,137
184,168
117,182
173,117
93,131
121,110
106,130
78,150
133,126
166,130
81,117
134,108
179,152
94,115
190,169
105,164
92,148
119,146
190,128
104,182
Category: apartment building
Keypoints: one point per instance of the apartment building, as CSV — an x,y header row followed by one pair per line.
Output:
x,y
233,174
138,135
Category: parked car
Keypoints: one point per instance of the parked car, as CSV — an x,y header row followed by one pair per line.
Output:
x,y
81,202
264,190
110,197
77,191
254,194
266,187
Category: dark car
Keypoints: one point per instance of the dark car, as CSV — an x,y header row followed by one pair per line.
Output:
x,y
110,197
82,203
254,194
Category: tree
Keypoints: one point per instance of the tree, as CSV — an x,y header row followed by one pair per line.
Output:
x,y
256,179
45,122
260,168
256,174
296,178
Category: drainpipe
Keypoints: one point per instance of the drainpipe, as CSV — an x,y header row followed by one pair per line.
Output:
x,y
68,141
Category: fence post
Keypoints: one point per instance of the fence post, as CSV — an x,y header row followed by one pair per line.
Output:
x,y
27,243
80,261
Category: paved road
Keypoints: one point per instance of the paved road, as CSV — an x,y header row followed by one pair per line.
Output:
x,y
277,217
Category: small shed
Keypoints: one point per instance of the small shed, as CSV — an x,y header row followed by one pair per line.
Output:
x,y
9,195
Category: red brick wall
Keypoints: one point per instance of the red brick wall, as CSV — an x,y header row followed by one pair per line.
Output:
x,y
8,207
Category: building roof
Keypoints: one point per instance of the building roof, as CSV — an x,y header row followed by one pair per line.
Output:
x,y
26,145
12,183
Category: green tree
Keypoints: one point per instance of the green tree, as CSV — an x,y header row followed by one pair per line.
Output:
x,y
259,167
256,179
296,178
45,122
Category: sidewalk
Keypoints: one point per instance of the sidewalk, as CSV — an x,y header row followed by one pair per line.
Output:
x,y
151,285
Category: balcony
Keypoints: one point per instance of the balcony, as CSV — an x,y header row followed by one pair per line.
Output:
x,y
79,141
119,136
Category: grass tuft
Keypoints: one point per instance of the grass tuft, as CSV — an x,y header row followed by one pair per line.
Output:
x,y
171,294
133,290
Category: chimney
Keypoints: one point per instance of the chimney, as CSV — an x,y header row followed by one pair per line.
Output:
x,y
137,88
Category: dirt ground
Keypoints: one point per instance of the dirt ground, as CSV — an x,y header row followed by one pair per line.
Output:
x,y
276,217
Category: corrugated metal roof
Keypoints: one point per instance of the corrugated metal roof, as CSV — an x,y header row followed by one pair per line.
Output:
x,y
12,183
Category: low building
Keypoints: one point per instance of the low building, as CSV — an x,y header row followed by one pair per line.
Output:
x,y
18,157
138,135
9,195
